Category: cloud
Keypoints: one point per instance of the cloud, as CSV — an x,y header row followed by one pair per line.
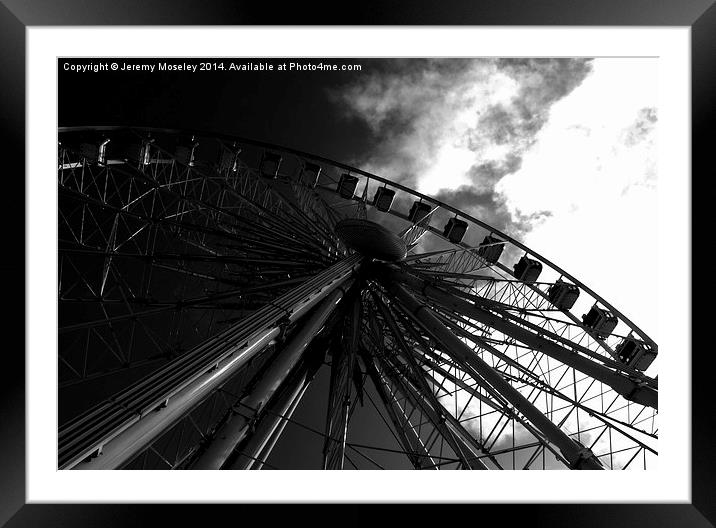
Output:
x,y
453,128
641,128
594,167
489,204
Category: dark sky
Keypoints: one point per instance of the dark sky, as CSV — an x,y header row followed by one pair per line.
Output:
x,y
288,108
431,124
293,109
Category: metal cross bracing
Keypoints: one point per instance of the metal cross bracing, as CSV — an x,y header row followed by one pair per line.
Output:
x,y
193,434
511,308
393,355
179,444
468,270
342,394
130,418
528,303
637,386
456,409
195,265
202,286
582,404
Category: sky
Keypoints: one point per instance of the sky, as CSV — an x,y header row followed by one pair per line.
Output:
x,y
559,153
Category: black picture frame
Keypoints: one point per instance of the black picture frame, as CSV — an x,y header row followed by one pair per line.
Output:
x,y
17,15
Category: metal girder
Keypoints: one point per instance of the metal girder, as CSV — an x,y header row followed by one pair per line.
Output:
x,y
503,407
472,444
462,443
119,447
220,453
633,390
122,426
409,440
440,423
283,420
257,447
578,456
493,404
436,412
280,226
339,404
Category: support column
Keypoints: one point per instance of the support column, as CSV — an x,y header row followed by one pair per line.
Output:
x,y
268,448
218,454
258,447
113,432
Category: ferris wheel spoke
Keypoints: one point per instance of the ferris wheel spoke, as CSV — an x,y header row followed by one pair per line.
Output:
x,y
308,216
206,229
464,313
414,430
279,232
286,230
483,344
418,342
315,209
638,391
291,217
80,377
567,332
340,396
412,418
197,266
577,456
542,383
459,264
449,429
491,398
413,385
530,299
402,429
178,198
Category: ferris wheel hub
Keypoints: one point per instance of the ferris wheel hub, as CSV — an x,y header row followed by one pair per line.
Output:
x,y
371,239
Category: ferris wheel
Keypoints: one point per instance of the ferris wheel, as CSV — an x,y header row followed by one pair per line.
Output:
x,y
206,280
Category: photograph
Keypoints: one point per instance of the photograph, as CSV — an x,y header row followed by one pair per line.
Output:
x,y
359,263
404,236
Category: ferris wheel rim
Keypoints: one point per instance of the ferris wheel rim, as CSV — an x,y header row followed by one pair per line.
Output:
x,y
351,169
313,157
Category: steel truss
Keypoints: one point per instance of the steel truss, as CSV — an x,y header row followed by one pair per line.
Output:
x,y
202,287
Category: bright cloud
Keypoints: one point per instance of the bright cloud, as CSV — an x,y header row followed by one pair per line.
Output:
x,y
593,168
453,128
557,152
